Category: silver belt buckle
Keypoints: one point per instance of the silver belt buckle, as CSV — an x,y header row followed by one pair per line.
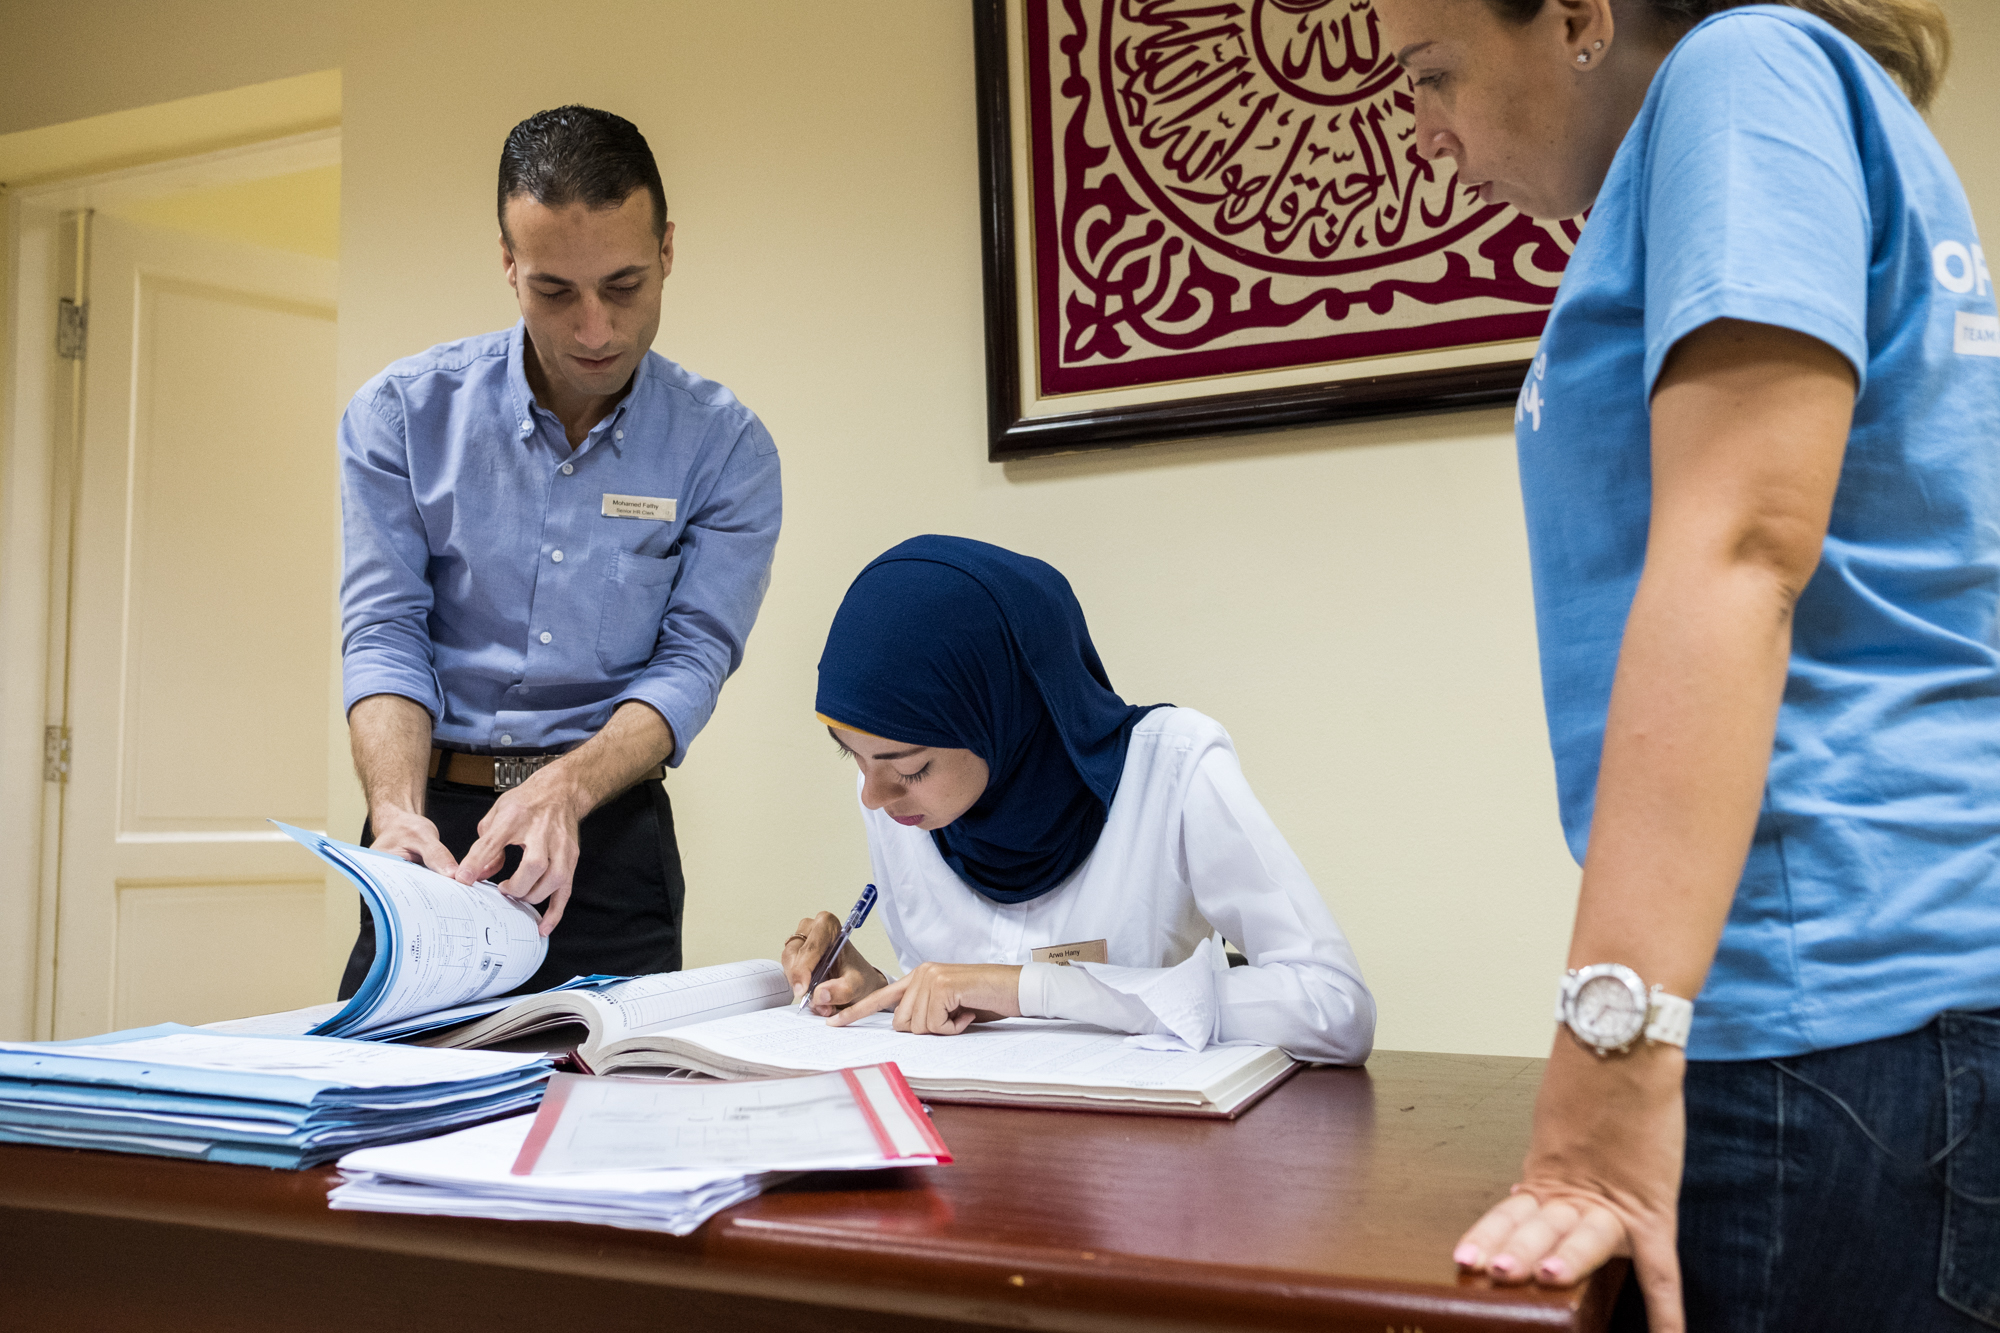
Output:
x,y
511,770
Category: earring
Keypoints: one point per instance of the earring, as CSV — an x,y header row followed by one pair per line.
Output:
x,y
1597,45
1583,57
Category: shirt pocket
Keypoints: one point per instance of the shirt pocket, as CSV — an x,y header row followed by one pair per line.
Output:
x,y
636,590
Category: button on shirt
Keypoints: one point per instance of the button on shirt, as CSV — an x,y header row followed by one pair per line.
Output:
x,y
484,581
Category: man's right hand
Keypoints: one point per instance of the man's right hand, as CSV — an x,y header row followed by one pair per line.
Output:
x,y
852,977
412,837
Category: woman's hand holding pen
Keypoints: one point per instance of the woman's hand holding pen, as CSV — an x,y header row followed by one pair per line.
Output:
x,y
853,976
943,999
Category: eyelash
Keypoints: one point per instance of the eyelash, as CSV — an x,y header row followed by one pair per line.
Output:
x,y
557,296
906,779
1428,81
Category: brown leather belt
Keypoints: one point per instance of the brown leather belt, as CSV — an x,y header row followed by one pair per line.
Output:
x,y
501,772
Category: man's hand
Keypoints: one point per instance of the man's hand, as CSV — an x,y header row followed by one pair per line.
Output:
x,y
542,814
1602,1178
412,837
852,977
391,737
540,817
943,999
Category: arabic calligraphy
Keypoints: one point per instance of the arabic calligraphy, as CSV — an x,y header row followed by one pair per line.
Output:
x,y
1234,185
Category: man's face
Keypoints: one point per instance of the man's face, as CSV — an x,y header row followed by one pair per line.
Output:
x,y
588,281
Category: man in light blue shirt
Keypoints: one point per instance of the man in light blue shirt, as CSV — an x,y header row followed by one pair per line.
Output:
x,y
556,544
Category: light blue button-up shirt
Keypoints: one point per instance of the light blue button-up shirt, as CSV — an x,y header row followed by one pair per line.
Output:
x,y
485,579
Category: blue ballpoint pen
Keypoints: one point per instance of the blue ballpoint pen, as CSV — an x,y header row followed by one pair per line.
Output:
x,y
862,907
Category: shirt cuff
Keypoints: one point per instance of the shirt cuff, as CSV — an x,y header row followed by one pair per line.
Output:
x,y
671,708
1050,990
362,676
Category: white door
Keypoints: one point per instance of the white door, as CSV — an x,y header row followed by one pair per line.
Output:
x,y
200,635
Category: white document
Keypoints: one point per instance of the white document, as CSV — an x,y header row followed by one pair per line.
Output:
x,y
351,1064
469,1173
679,1215
854,1118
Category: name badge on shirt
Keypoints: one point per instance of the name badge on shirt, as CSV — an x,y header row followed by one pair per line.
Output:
x,y
1062,955
637,506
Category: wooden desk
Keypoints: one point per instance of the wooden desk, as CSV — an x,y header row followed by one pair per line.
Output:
x,y
1332,1205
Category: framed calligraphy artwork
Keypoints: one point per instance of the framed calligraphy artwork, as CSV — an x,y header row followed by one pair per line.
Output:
x,y
1204,217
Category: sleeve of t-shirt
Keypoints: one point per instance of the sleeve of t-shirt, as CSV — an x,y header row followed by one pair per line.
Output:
x,y
1756,207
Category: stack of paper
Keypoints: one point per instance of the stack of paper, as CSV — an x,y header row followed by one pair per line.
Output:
x,y
649,1154
467,1174
177,1091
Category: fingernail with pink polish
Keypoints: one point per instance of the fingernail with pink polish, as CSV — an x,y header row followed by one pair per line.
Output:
x,y
1503,1265
1466,1255
1551,1270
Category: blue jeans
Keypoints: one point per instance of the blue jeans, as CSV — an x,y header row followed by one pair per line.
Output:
x,y
1856,1188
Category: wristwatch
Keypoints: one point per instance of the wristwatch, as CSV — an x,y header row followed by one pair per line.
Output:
x,y
1607,1009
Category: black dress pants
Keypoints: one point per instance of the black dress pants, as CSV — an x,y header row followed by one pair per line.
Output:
x,y
624,913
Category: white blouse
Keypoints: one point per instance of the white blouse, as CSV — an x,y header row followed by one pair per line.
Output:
x,y
1187,851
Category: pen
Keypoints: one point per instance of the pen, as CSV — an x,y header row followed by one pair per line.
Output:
x,y
862,907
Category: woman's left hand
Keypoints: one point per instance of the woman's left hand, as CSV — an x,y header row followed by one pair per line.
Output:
x,y
1602,1178
943,999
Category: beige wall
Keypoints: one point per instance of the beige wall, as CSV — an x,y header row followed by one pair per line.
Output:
x,y
1351,602
63,60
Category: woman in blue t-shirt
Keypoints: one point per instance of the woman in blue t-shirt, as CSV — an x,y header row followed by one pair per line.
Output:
x,y
1760,455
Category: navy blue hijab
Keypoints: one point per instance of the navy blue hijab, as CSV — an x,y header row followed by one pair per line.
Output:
x,y
959,645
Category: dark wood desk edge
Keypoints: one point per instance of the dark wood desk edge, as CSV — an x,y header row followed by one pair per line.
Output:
x,y
798,1261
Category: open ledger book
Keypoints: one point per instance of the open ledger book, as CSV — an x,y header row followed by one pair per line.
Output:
x,y
736,1020
1012,1062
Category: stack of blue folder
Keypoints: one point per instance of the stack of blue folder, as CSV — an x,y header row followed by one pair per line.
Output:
x,y
176,1091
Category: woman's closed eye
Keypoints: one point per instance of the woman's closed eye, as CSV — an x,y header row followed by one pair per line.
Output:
x,y
910,778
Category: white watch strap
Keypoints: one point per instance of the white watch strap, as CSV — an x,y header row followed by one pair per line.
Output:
x,y
1669,1018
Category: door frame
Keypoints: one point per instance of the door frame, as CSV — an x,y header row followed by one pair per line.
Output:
x,y
36,462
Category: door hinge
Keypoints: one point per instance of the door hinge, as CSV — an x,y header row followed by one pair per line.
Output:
x,y
72,329
55,754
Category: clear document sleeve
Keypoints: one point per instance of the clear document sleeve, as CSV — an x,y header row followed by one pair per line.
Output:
x,y
853,1118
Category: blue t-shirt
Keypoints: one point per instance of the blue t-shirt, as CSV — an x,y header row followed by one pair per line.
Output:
x,y
1776,174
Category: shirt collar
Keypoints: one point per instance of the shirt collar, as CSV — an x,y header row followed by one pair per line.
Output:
x,y
525,406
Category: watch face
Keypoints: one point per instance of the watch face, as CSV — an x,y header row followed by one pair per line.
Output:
x,y
1606,1013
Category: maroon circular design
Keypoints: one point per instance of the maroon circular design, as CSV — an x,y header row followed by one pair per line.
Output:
x,y
1280,132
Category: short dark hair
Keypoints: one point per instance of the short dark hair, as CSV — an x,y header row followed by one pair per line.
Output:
x,y
579,155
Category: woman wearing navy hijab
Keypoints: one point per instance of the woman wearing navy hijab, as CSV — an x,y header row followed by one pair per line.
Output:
x,y
1015,804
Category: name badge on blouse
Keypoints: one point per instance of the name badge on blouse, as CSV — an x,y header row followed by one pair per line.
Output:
x,y
637,506
1062,955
